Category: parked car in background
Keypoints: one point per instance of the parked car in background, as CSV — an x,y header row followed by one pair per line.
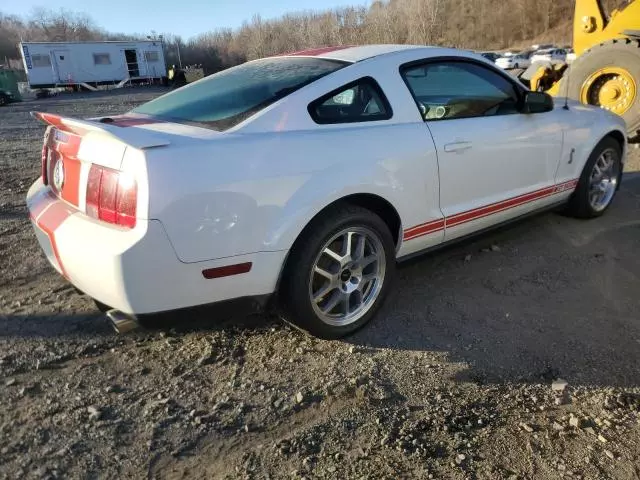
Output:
x,y
491,56
520,60
299,181
6,97
543,46
552,55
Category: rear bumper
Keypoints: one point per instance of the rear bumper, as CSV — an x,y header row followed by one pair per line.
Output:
x,y
137,270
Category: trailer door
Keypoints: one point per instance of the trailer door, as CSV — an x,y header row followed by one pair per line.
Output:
x,y
131,56
64,66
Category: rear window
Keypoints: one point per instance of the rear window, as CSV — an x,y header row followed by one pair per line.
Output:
x,y
225,99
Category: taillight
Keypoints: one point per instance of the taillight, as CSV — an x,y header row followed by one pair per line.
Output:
x,y
43,165
44,156
111,196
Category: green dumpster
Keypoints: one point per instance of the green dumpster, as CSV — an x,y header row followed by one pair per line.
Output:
x,y
9,87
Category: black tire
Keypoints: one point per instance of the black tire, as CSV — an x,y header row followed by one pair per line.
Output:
x,y
623,53
294,293
579,205
4,100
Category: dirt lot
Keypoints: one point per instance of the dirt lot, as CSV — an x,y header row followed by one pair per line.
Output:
x,y
452,380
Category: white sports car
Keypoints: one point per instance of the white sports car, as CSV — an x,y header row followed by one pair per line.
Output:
x,y
304,178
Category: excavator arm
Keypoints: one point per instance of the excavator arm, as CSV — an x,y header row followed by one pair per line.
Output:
x,y
591,26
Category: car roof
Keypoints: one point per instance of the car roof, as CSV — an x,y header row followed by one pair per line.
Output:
x,y
351,53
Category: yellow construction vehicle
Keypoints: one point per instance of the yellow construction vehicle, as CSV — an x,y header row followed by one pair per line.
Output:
x,y
606,71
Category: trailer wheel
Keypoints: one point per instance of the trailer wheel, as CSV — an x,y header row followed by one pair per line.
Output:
x,y
608,75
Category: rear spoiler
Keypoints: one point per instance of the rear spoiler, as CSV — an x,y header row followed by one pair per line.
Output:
x,y
134,137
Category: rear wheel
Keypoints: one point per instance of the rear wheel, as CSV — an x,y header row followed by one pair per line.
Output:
x,y
339,272
608,75
3,99
599,181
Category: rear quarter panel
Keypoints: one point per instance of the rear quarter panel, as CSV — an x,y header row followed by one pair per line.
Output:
x,y
256,192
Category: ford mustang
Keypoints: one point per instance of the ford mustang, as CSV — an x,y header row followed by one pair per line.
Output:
x,y
299,181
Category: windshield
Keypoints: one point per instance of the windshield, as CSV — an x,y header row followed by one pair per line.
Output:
x,y
225,99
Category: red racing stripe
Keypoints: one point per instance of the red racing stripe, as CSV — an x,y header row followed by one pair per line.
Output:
x,y
65,146
424,229
41,205
314,52
56,121
498,206
71,186
50,221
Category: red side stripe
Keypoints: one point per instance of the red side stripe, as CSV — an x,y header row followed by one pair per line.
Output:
x,y
481,212
498,206
410,231
425,229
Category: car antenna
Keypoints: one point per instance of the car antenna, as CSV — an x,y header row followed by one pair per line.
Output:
x,y
566,96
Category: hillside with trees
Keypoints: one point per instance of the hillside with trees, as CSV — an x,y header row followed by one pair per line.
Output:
x,y
472,24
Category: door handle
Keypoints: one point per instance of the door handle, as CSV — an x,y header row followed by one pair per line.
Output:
x,y
457,147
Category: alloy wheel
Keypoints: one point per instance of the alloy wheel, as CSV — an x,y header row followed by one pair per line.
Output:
x,y
347,276
603,181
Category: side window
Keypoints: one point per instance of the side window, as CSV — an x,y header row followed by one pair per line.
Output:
x,y
359,101
41,60
459,89
101,59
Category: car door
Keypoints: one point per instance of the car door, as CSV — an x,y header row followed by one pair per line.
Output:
x,y
494,162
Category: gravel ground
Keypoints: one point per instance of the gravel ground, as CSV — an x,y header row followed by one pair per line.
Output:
x,y
454,379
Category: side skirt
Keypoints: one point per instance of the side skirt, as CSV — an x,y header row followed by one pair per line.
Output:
x,y
478,233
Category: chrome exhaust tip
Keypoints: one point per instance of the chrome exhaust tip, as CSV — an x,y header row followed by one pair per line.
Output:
x,y
122,322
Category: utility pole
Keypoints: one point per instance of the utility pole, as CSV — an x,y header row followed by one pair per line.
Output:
x,y
178,48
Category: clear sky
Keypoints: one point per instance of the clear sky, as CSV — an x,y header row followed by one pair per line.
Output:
x,y
181,17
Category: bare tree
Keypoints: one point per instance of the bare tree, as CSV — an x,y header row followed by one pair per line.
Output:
x,y
478,24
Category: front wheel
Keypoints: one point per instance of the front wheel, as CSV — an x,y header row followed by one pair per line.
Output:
x,y
599,181
339,272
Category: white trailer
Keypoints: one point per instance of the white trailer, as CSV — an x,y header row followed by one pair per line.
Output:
x,y
54,64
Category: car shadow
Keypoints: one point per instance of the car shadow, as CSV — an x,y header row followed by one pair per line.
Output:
x,y
553,297
94,324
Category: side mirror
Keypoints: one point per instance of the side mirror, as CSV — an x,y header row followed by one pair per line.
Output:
x,y
537,102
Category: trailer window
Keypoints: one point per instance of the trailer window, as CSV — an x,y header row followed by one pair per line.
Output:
x,y
151,56
227,98
38,60
101,59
